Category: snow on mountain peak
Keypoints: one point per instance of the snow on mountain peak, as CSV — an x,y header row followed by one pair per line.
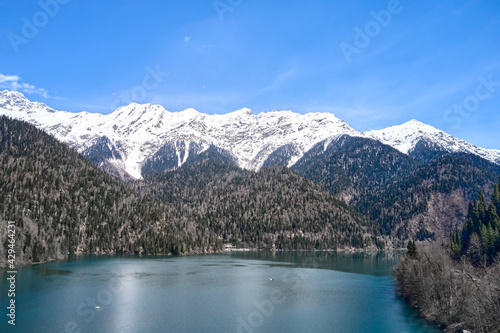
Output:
x,y
17,102
405,137
11,93
138,131
244,112
191,112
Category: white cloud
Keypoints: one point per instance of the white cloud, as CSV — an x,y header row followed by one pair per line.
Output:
x,y
13,82
9,78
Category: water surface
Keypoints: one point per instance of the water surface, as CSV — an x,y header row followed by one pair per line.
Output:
x,y
236,292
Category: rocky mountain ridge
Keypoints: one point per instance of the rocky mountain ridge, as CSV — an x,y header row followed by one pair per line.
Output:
x,y
138,139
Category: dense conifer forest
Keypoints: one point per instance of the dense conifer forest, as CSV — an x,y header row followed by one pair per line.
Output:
x,y
61,203
479,238
272,207
356,193
405,196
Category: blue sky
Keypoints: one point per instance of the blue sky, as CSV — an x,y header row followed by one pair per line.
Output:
x,y
372,63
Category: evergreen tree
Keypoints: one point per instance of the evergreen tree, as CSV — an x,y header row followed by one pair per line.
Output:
x,y
495,197
482,207
411,250
480,236
456,244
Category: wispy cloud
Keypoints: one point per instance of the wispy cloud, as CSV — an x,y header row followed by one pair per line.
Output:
x,y
14,82
279,80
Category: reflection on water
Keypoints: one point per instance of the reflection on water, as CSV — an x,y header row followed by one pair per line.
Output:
x,y
234,292
377,263
44,271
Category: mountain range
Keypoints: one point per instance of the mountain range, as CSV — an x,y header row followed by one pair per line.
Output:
x,y
256,175
140,139
61,203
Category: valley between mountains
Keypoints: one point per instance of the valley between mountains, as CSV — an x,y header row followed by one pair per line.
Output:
x,y
143,180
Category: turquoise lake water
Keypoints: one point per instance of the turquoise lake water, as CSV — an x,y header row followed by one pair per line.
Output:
x,y
235,292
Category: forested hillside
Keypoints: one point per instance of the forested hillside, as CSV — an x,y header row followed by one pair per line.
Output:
x,y
274,206
428,203
62,203
352,167
457,285
479,238
406,197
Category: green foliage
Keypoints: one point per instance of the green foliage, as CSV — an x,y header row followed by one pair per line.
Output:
x,y
480,236
423,234
411,250
272,207
456,244
392,189
64,204
61,203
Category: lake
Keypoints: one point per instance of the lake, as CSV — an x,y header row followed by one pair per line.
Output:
x,y
234,292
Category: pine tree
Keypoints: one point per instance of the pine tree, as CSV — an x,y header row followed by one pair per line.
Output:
x,y
480,237
411,250
495,197
456,244
482,207
493,218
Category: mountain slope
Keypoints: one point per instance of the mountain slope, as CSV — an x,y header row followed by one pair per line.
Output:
x,y
62,203
147,136
404,196
353,166
376,172
417,139
430,201
136,132
274,206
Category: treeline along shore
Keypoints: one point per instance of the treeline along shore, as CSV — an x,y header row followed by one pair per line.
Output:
x,y
457,286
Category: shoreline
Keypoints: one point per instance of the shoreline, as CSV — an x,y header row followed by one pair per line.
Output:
x,y
77,254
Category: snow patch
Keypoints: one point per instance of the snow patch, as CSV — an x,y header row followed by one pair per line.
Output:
x,y
140,130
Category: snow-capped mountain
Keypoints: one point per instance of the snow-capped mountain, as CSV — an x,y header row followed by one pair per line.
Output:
x,y
408,136
143,137
132,134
